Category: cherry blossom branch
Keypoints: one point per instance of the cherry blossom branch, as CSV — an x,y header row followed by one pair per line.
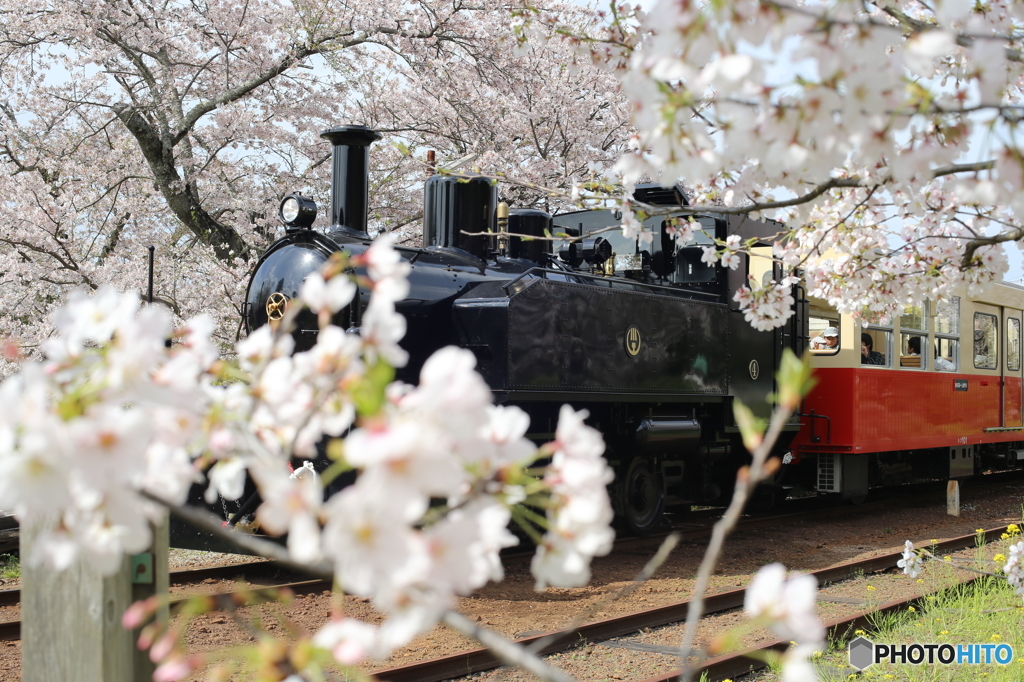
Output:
x,y
649,569
250,544
507,651
747,480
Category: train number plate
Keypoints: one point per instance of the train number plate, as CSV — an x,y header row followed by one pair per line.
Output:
x,y
959,384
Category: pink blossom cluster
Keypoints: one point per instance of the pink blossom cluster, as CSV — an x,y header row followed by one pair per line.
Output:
x,y
766,306
878,133
579,514
110,413
1013,570
788,608
185,137
113,413
911,562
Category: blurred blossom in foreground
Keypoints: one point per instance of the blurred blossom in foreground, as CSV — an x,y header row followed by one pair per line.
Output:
x,y
113,412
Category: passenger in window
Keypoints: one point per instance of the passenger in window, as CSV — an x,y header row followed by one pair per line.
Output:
x,y
942,364
868,356
828,340
914,345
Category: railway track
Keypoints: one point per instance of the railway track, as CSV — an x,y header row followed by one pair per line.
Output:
x,y
691,527
478,660
723,667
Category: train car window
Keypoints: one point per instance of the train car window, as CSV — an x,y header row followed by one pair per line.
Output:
x,y
915,317
946,350
876,346
947,317
823,322
986,328
1013,344
946,354
910,351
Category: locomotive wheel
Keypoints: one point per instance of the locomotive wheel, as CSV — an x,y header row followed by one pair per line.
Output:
x,y
642,497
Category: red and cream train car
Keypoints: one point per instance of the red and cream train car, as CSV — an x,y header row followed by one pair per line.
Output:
x,y
933,393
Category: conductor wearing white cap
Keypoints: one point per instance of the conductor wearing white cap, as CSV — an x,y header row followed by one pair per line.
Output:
x,y
828,340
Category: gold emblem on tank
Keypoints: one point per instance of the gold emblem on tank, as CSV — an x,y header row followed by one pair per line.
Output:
x,y
633,341
276,305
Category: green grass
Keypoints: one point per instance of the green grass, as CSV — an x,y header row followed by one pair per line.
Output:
x,y
986,611
10,567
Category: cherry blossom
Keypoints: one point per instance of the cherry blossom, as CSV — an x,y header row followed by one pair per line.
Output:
x,y
116,139
912,562
1013,570
879,134
787,605
579,513
327,295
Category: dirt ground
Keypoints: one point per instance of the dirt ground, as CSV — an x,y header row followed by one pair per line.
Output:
x,y
513,608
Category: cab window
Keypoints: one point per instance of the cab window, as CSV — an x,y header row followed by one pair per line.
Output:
x,y
689,266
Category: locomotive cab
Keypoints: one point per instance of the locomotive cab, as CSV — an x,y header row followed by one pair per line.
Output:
x,y
714,359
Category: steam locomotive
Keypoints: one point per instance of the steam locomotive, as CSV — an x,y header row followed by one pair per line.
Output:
x,y
645,337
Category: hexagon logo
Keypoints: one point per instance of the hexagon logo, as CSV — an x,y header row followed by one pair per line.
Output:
x,y
862,653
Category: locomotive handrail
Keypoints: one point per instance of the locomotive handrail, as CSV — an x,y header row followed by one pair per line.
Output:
x,y
602,278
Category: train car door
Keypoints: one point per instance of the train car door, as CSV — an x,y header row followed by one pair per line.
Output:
x,y
1012,387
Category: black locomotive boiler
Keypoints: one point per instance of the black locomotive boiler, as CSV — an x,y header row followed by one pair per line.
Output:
x,y
644,336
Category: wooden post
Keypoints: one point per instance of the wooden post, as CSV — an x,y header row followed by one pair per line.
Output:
x,y
71,620
953,498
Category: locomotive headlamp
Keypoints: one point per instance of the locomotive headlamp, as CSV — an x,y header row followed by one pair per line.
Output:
x,y
297,212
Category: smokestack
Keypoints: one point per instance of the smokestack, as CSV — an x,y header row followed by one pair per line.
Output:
x,y
350,168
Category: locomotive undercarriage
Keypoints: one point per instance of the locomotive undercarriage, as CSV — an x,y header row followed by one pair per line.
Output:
x,y
666,457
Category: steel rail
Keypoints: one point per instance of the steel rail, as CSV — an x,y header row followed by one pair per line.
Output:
x,y
252,569
728,666
477,660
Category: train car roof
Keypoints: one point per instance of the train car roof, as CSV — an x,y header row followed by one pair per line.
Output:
x,y
1003,294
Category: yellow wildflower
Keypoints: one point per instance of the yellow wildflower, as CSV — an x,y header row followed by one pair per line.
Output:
x,y
999,559
946,632
871,588
995,638
911,609
979,530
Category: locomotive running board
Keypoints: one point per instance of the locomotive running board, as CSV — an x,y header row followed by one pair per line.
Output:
x,y
996,429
